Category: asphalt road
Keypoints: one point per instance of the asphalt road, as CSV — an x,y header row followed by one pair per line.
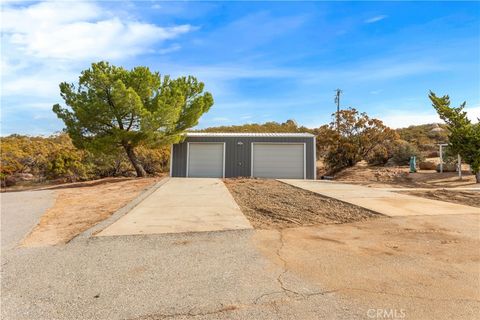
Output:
x,y
415,267
211,275
21,211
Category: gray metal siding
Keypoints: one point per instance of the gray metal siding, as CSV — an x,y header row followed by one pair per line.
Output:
x,y
238,157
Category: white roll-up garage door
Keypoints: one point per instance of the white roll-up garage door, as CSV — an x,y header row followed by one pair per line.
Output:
x,y
277,160
205,160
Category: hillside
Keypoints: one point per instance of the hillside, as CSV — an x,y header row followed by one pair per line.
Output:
x,y
287,126
426,136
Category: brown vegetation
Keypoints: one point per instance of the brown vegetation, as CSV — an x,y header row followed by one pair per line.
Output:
x,y
28,161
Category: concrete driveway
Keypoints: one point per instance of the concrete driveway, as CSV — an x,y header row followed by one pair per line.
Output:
x,y
182,205
382,201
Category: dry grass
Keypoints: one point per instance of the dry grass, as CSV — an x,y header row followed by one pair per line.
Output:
x,y
270,204
81,206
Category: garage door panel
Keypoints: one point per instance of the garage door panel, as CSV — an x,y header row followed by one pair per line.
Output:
x,y
205,160
278,160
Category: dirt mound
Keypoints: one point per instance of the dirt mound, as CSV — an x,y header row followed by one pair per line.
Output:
x,y
399,177
362,172
270,204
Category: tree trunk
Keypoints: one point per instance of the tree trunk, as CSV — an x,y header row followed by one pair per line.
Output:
x,y
477,176
134,160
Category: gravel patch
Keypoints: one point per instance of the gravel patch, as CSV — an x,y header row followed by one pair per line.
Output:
x,y
270,204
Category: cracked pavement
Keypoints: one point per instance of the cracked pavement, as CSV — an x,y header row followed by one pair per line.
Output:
x,y
211,275
428,266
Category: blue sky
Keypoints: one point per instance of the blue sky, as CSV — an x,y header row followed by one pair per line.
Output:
x,y
268,61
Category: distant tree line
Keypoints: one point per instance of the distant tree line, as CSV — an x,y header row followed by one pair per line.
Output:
x,y
39,159
272,126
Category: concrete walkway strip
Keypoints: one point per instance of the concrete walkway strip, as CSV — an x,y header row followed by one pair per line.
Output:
x,y
382,201
182,205
476,189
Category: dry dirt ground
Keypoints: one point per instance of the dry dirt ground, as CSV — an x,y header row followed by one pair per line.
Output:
x,y
399,177
270,204
469,198
424,266
80,206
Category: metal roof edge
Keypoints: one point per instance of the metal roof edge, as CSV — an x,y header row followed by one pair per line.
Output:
x,y
249,134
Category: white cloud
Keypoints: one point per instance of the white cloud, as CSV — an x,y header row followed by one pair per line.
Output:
x,y
172,48
405,118
220,119
43,84
80,31
45,43
473,113
375,19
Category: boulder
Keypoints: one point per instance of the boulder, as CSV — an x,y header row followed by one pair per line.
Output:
x,y
9,181
447,167
427,165
24,176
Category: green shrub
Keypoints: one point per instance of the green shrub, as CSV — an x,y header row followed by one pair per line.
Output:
x,y
403,151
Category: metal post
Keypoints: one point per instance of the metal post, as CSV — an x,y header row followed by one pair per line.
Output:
x,y
441,159
338,92
459,166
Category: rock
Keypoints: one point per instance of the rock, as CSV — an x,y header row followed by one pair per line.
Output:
x,y
9,181
24,176
447,167
390,163
427,165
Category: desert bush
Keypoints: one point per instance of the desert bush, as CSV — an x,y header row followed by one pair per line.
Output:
x,y
379,155
56,158
52,157
433,154
403,151
355,139
154,160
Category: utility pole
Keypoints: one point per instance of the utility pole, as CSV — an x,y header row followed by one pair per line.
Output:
x,y
338,92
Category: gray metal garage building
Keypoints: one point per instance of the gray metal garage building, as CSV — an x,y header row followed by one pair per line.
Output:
x,y
262,155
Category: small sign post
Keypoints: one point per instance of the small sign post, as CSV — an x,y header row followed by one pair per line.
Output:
x,y
459,166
